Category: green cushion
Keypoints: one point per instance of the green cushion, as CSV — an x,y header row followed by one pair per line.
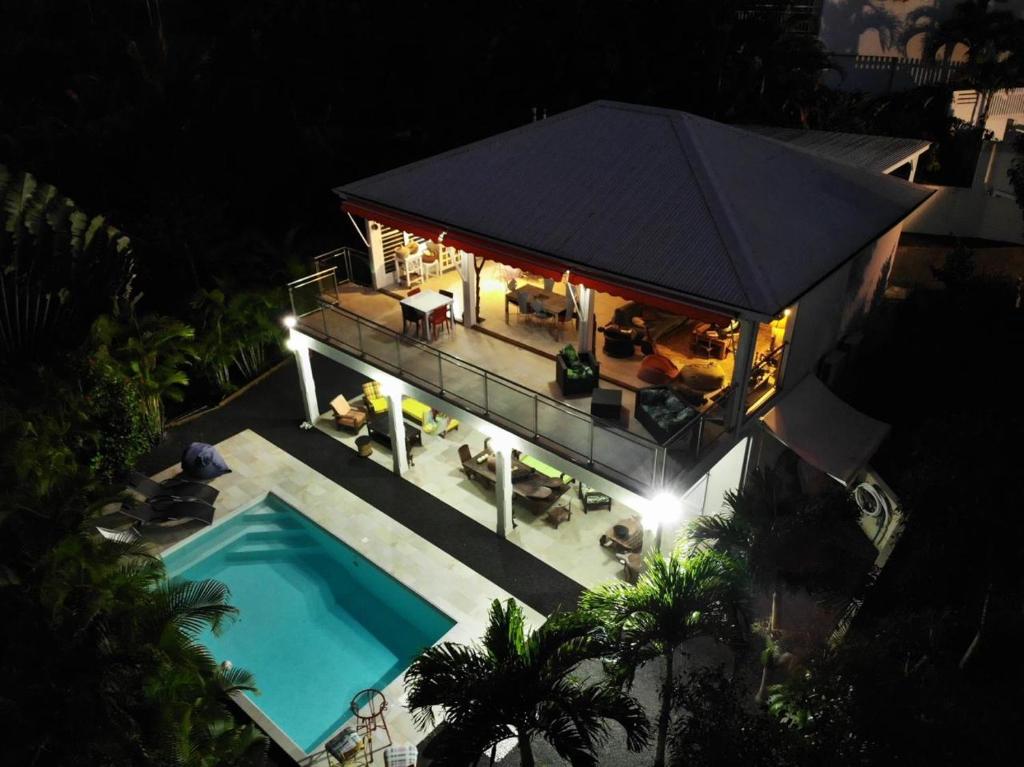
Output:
x,y
571,357
540,466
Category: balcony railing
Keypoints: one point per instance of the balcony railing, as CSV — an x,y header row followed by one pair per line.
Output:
x,y
628,459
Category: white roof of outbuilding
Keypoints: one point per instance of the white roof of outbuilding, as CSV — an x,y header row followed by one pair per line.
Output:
x,y
823,430
679,205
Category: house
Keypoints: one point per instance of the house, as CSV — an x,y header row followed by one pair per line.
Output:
x,y
736,259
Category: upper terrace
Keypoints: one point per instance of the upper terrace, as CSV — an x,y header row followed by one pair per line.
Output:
x,y
696,239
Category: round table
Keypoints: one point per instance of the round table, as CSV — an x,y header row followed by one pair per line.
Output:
x,y
365,446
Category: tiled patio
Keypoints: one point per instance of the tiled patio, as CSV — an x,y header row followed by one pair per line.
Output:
x,y
572,547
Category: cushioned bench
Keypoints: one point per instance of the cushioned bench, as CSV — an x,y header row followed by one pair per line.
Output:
x,y
417,411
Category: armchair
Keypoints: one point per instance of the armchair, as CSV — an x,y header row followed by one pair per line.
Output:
x,y
374,398
577,374
346,416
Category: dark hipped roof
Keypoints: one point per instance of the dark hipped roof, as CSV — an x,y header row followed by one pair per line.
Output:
x,y
684,205
876,153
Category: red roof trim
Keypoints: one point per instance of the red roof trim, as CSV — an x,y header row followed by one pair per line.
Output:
x,y
531,262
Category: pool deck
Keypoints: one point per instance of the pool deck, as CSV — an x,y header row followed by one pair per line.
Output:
x,y
273,410
451,560
439,578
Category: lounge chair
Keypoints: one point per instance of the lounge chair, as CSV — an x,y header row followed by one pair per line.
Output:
x,y
164,510
176,487
128,535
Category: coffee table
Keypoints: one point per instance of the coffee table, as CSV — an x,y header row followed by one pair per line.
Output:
x,y
607,403
379,429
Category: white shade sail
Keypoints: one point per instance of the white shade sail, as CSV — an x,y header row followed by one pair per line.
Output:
x,y
824,431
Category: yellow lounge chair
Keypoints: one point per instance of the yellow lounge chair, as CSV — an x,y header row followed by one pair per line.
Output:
x,y
418,412
374,398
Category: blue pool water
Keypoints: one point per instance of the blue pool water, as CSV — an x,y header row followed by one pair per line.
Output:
x,y
317,621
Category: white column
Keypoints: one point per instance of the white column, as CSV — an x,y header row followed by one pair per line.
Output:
x,y
503,489
741,372
468,274
306,383
376,242
585,338
396,427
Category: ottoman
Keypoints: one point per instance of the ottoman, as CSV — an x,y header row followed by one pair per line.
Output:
x,y
606,403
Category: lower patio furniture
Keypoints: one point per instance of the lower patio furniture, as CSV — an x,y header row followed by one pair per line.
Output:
x,y
368,707
380,430
202,461
166,510
593,500
346,416
576,373
662,412
558,514
343,747
542,468
127,535
364,444
425,416
401,756
624,536
633,566
374,399
177,487
657,369
606,403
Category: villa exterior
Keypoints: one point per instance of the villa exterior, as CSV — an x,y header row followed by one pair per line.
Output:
x,y
718,264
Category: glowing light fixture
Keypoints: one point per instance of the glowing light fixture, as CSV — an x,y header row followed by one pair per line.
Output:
x,y
290,321
664,508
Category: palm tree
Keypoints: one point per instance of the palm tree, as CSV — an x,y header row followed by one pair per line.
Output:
x,y
521,684
104,665
782,538
995,47
675,600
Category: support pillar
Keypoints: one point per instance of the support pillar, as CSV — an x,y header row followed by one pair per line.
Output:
x,y
396,428
503,490
585,337
306,382
468,274
374,237
741,373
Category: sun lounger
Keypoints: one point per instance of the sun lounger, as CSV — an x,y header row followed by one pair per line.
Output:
x,y
128,535
164,510
176,487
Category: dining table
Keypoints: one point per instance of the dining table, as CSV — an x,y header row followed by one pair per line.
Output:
x,y
553,303
425,302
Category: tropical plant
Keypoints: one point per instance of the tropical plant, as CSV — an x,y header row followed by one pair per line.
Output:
x,y
783,538
716,725
675,600
59,268
102,664
994,40
152,352
521,684
236,331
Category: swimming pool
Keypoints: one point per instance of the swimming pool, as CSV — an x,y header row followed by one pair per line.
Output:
x,y
317,620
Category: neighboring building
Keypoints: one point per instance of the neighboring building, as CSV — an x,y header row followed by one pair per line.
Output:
x,y
878,46
739,259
